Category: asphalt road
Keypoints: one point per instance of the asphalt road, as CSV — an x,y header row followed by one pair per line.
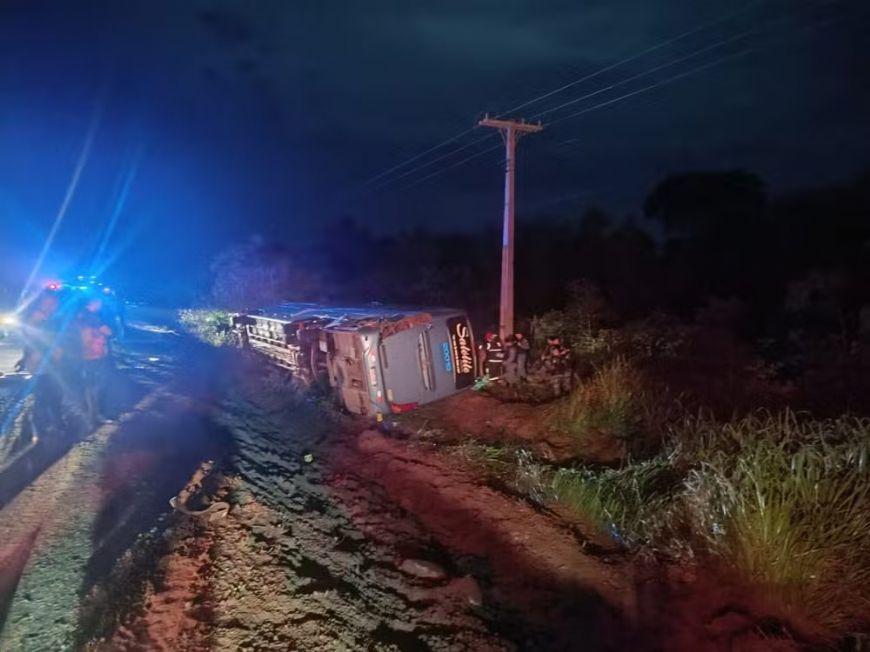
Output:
x,y
10,351
70,506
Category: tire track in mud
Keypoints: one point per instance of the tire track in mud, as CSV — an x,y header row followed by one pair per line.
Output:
x,y
370,544
345,523
333,585
546,591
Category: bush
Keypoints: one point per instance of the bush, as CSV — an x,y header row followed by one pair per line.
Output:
x,y
209,325
587,326
582,324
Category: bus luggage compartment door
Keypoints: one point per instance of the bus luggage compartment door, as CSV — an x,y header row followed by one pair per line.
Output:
x,y
347,373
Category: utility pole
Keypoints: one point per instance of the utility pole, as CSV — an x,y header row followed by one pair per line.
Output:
x,y
511,131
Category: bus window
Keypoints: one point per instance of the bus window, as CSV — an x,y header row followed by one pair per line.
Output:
x,y
425,357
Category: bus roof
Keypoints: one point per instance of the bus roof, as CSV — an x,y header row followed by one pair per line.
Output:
x,y
338,314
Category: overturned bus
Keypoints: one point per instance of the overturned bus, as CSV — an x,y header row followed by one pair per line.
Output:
x,y
377,359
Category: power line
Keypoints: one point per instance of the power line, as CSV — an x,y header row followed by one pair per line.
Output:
x,y
639,75
433,161
606,103
650,87
687,73
417,157
570,102
649,50
663,82
449,167
555,91
668,64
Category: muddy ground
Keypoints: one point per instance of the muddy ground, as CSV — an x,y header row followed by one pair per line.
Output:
x,y
319,533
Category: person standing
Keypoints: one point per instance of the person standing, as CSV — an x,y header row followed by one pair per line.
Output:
x,y
95,361
482,352
522,347
556,362
493,356
40,357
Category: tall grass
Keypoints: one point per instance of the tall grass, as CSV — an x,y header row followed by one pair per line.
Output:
x,y
632,504
786,502
610,402
783,500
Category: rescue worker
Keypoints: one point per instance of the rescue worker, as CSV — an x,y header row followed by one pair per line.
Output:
x,y
481,353
95,361
493,358
40,357
556,363
522,346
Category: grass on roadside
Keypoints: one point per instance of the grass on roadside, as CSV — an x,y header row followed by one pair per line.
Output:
x,y
485,457
632,504
783,500
209,325
511,466
613,402
786,501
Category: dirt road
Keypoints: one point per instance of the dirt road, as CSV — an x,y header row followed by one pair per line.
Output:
x,y
337,537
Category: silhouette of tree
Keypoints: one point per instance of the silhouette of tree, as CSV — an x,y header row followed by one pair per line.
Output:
x,y
256,273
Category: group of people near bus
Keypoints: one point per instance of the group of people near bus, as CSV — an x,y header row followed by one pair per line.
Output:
x,y
509,360
67,351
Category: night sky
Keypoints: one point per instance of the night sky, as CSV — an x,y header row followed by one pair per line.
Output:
x,y
211,121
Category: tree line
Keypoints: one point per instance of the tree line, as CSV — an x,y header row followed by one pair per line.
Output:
x,y
705,241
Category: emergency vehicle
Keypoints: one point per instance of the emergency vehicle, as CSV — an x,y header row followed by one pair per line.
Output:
x,y
70,295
